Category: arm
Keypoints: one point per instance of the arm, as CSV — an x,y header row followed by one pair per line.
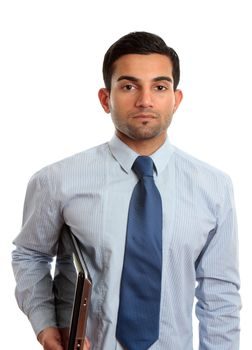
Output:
x,y
41,298
218,282
35,247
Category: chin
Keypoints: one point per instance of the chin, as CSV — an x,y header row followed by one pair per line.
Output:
x,y
142,135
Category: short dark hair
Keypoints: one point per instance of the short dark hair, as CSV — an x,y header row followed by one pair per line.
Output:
x,y
142,43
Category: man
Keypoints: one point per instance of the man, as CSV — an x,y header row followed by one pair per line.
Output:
x,y
92,192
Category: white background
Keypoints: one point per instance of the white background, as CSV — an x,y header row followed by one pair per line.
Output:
x,y
50,72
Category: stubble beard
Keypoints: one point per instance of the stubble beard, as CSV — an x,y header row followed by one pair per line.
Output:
x,y
141,132
144,131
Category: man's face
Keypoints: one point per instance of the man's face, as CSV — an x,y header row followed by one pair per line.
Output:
x,y
142,99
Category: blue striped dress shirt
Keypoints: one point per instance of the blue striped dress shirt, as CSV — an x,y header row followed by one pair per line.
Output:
x,y
90,192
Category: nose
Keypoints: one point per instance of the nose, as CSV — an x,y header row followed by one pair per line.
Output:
x,y
144,99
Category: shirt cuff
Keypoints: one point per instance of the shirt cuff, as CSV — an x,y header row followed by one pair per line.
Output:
x,y
42,319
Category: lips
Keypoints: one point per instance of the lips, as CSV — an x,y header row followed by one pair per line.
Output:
x,y
144,116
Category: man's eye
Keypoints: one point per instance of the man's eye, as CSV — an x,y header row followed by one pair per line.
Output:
x,y
160,87
128,87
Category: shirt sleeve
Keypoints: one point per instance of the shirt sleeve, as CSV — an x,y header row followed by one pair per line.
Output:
x,y
218,301
35,247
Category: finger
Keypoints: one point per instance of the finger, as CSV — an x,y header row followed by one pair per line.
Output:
x,y
50,339
53,345
87,344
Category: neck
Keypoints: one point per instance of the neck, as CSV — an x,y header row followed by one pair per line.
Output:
x,y
143,147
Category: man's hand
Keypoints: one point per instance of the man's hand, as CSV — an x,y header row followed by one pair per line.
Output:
x,y
50,339
53,338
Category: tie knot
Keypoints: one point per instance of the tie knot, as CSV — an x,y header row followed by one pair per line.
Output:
x,y
143,166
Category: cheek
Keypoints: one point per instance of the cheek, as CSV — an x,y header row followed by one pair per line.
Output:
x,y
167,104
113,102
120,103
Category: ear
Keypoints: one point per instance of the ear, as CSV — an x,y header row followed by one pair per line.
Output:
x,y
103,95
178,99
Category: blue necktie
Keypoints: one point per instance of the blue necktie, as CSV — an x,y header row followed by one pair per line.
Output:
x,y
138,315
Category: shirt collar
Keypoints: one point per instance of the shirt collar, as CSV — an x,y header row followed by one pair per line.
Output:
x,y
126,156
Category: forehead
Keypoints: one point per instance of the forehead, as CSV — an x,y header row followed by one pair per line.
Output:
x,y
142,66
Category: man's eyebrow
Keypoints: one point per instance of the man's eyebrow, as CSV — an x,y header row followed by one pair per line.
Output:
x,y
127,77
156,79
161,78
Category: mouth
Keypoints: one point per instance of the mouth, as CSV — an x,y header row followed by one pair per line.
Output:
x,y
144,116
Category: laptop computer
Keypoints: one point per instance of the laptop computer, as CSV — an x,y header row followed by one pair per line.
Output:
x,y
79,290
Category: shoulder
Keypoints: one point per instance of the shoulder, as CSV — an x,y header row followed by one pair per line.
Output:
x,y
75,166
200,172
94,154
187,161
